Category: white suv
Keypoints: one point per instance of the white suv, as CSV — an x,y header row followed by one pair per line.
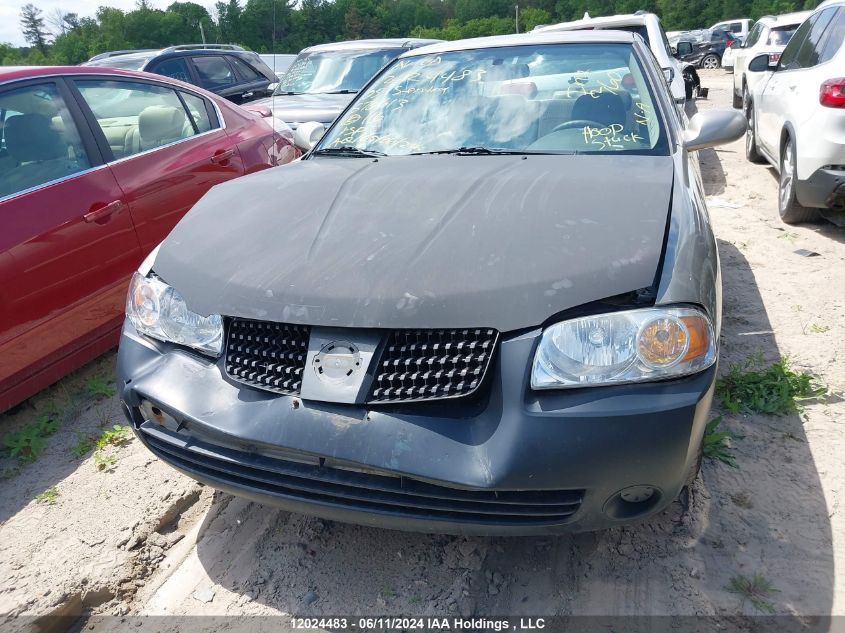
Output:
x,y
647,26
796,118
769,35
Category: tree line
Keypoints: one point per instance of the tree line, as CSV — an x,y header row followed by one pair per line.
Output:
x,y
287,26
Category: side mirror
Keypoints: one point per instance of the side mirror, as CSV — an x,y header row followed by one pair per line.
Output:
x,y
669,73
308,134
713,127
761,63
271,88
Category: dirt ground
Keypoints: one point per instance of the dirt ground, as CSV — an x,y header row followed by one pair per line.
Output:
x,y
137,538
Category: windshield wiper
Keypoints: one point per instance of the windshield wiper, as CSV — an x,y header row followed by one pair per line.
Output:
x,y
348,150
288,93
341,92
488,151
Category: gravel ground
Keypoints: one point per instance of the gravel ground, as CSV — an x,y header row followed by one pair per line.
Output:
x,y
137,538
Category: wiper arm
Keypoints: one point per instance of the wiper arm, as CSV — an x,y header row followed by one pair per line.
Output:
x,y
288,93
342,92
348,150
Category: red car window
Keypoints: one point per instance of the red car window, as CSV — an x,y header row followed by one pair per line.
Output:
x,y
39,142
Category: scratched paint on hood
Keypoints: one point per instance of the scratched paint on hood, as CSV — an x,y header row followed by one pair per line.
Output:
x,y
423,242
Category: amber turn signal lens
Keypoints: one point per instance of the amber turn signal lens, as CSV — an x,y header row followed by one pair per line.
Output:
x,y
662,342
699,337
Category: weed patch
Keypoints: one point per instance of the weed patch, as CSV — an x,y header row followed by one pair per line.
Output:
x,y
49,496
28,443
756,590
775,390
100,387
717,444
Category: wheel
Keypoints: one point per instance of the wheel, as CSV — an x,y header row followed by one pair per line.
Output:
x,y
688,89
745,98
791,211
711,62
737,100
751,152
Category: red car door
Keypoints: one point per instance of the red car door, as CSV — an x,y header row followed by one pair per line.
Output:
x,y
67,243
167,146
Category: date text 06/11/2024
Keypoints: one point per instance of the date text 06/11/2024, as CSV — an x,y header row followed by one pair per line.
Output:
x,y
418,624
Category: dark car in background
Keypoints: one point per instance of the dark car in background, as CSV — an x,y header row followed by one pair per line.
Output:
x,y
230,71
96,167
704,49
488,300
323,79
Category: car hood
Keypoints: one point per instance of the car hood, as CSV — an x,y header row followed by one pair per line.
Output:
x,y
296,109
423,242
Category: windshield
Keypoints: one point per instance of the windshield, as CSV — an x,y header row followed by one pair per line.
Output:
x,y
334,71
559,98
781,36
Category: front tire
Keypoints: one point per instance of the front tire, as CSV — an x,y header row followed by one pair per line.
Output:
x,y
751,152
791,211
737,100
710,62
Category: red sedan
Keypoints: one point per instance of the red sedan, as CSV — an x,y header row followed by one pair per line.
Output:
x,y
96,167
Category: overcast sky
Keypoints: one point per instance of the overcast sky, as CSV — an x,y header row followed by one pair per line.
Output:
x,y
10,30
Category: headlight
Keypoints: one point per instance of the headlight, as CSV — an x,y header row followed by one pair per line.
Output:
x,y
620,347
157,310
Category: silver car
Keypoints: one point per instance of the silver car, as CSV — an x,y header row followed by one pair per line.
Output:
x,y
486,301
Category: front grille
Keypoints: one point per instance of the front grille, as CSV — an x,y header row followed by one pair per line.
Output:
x,y
432,364
267,355
383,494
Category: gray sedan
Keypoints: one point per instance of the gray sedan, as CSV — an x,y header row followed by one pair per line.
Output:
x,y
486,301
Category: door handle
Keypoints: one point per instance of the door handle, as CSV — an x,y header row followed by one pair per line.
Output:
x,y
103,212
221,156
247,95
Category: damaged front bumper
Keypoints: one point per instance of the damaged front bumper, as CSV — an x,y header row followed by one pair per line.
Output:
x,y
507,461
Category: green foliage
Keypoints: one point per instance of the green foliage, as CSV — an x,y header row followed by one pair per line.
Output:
x,y
118,435
756,590
115,436
775,390
716,444
84,445
287,26
100,387
49,496
28,443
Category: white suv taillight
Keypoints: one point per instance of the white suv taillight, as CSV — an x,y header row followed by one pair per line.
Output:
x,y
832,93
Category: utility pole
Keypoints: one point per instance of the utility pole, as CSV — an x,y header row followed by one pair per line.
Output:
x,y
517,18
202,33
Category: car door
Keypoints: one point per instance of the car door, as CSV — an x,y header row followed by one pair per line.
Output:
x,y
166,147
742,54
253,83
67,243
782,97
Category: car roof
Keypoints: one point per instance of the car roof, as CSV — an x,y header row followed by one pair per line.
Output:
x,y
11,73
140,56
786,18
526,39
633,19
405,42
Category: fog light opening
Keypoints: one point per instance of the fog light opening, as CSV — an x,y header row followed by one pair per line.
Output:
x,y
637,494
633,502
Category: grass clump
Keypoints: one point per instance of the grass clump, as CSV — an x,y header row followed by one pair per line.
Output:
x,y
716,444
99,387
774,390
756,590
28,443
116,436
49,496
